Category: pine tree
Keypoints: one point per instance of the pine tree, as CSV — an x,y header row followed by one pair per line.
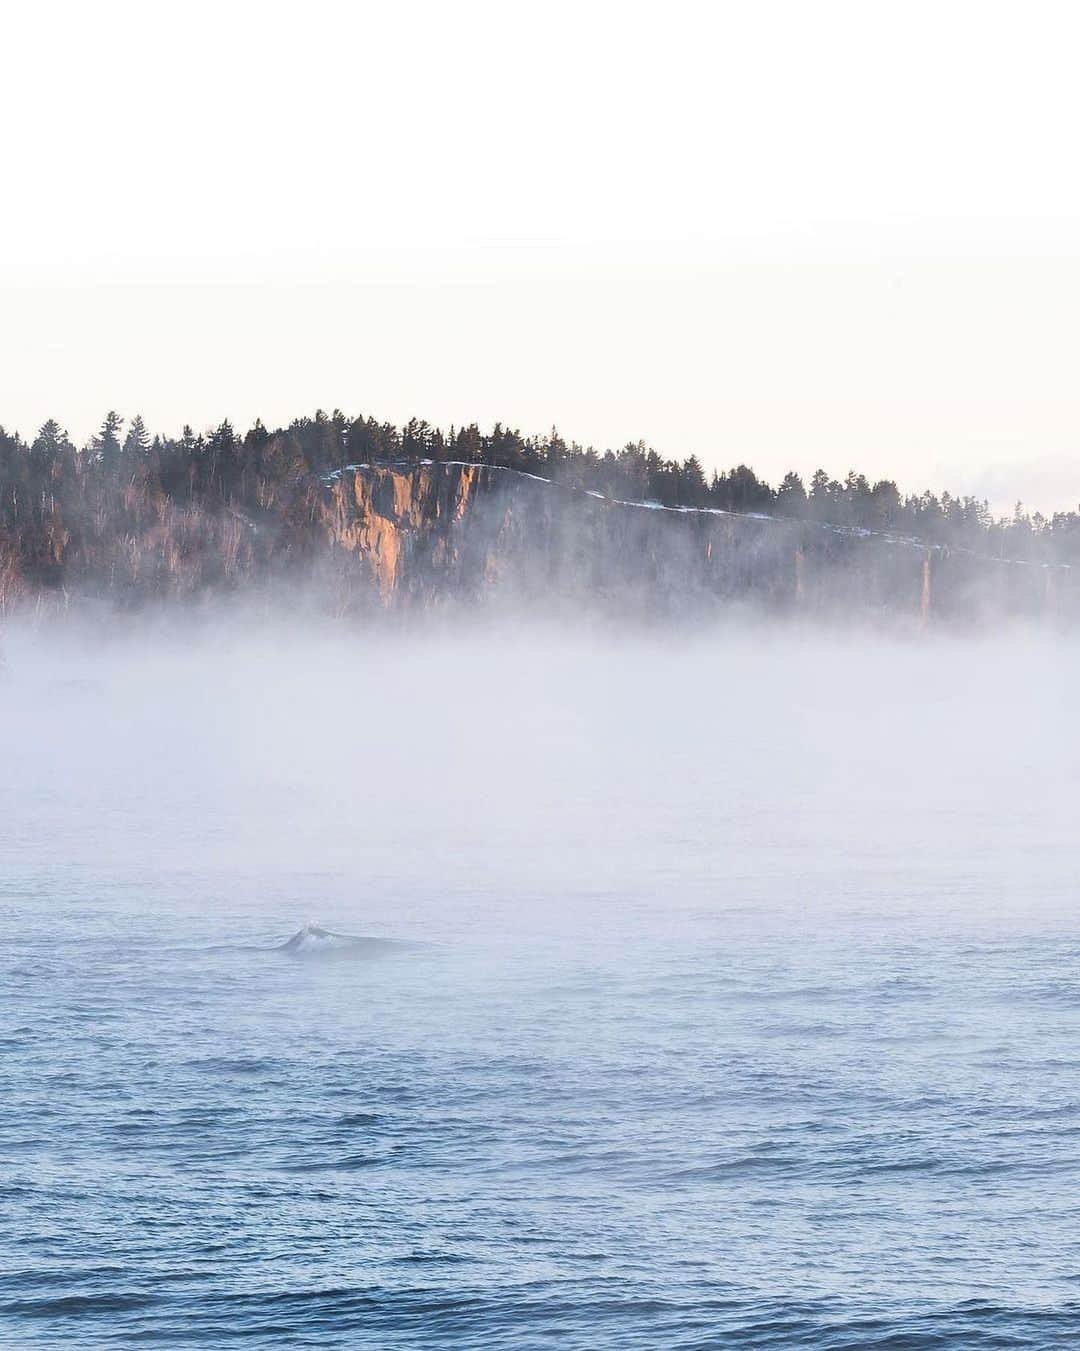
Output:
x,y
137,441
106,445
693,490
791,495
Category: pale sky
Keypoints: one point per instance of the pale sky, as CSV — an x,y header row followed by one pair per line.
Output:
x,y
793,234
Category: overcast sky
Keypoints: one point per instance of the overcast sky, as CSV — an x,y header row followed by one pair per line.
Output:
x,y
844,234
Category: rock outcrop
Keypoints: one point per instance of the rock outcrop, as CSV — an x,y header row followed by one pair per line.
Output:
x,y
429,535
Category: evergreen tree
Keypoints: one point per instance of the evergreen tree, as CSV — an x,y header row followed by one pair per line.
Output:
x,y
106,445
137,441
791,495
693,490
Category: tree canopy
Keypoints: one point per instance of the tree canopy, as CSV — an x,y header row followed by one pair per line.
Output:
x,y
49,487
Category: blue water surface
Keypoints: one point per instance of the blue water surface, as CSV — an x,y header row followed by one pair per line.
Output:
x,y
757,1141
714,1034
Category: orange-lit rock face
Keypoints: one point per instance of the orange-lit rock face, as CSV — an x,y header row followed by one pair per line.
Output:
x,y
358,528
378,513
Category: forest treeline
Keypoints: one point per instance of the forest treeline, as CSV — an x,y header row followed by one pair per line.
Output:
x,y
53,493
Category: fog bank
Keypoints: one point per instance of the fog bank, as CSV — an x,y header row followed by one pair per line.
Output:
x,y
429,783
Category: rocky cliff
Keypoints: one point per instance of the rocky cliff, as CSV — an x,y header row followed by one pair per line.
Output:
x,y
408,536
424,534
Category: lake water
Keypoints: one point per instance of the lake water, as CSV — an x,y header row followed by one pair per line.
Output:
x,y
744,1011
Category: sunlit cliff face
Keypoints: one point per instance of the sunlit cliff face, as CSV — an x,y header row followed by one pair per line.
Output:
x,y
374,513
437,532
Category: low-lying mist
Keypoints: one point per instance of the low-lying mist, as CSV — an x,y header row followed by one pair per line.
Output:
x,y
486,780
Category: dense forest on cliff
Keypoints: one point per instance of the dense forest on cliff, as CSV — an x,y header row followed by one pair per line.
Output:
x,y
166,498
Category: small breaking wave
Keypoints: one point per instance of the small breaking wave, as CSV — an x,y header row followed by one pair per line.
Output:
x,y
313,941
